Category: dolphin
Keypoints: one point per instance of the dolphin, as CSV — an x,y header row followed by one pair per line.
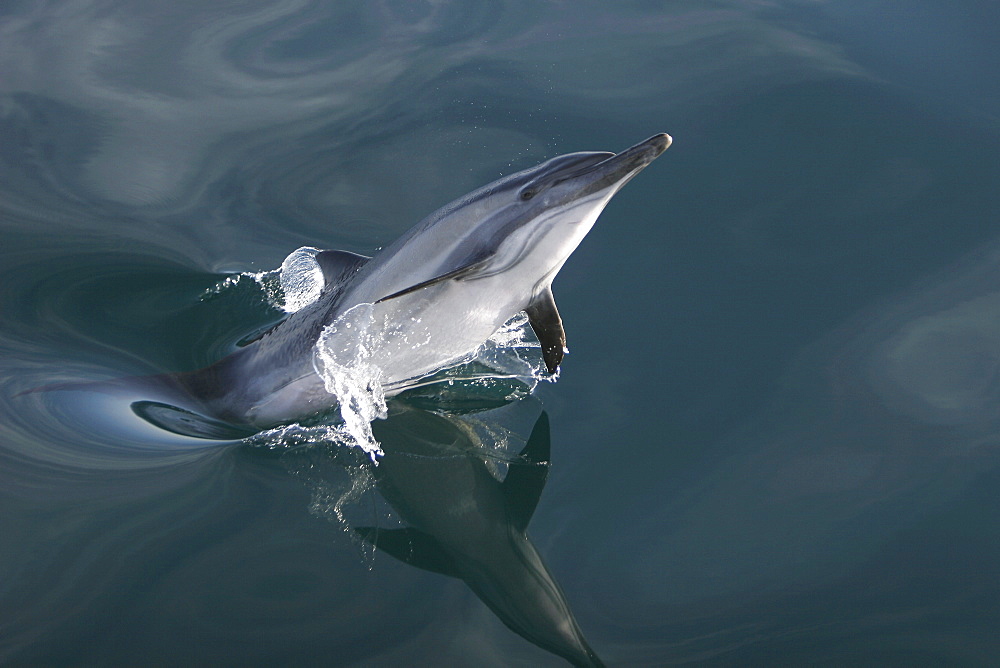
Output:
x,y
430,299
465,523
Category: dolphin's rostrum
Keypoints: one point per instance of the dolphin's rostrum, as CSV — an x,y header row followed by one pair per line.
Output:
x,y
431,298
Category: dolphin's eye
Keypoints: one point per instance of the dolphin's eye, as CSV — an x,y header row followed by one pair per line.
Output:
x,y
527,194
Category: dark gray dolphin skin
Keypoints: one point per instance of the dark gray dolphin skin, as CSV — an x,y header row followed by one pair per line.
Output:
x,y
432,297
465,524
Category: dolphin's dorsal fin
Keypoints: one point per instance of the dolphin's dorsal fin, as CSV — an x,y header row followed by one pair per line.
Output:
x,y
337,265
411,546
461,272
545,321
525,480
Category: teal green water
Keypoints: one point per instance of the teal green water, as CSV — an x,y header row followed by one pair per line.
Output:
x,y
776,439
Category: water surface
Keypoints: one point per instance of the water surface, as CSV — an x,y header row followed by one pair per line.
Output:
x,y
775,439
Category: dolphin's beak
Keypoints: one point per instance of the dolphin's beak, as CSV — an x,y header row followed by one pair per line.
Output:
x,y
641,154
662,140
621,167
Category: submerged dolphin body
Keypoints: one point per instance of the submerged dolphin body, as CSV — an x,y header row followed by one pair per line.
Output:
x,y
431,298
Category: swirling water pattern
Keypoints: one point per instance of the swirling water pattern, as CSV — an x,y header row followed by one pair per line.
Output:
x,y
775,438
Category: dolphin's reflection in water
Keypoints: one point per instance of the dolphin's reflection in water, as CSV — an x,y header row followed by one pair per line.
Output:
x,y
465,485
465,499
465,523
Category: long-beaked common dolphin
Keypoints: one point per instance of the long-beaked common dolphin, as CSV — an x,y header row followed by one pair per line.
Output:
x,y
465,523
432,297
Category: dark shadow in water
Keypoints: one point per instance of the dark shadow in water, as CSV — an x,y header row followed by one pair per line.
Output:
x,y
465,522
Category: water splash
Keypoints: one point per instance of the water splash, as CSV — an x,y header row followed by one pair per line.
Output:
x,y
301,279
510,360
297,283
268,282
295,435
514,352
345,361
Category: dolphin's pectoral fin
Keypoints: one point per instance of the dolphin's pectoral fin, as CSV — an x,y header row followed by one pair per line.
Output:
x,y
545,321
525,480
411,546
337,265
455,274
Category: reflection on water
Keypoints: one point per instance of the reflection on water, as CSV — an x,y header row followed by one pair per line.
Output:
x,y
455,494
467,523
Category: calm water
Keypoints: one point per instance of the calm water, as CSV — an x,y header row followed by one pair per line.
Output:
x,y
776,439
